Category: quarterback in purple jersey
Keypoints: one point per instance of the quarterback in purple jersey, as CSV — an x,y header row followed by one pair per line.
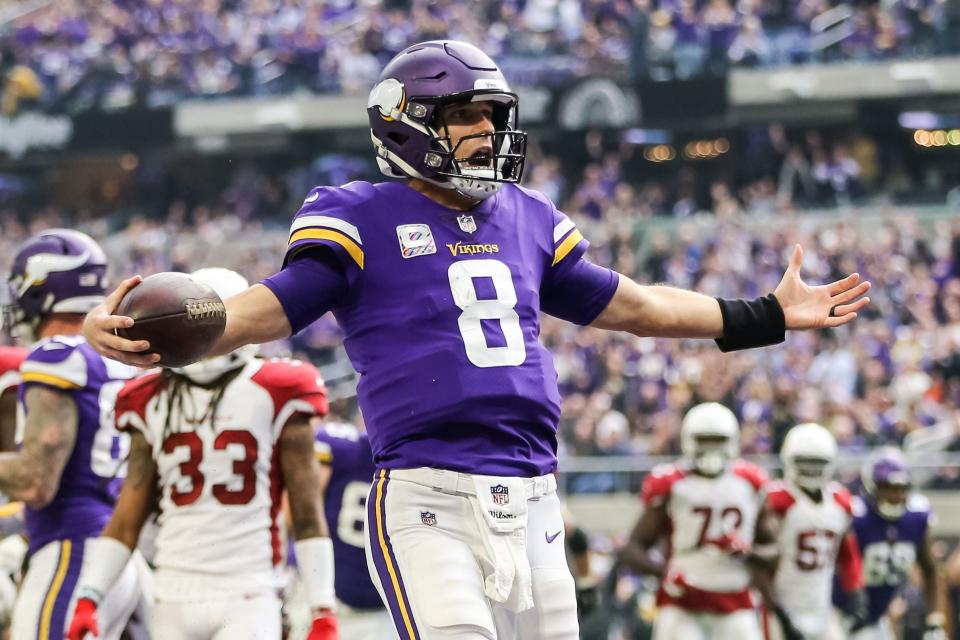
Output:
x,y
71,458
892,527
438,281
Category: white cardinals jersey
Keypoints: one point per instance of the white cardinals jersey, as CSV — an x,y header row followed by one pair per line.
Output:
x,y
709,519
219,472
808,541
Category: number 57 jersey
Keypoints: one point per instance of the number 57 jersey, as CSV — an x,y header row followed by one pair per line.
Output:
x,y
442,320
218,467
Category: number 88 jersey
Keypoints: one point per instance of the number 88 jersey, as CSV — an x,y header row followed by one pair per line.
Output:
x,y
219,474
442,319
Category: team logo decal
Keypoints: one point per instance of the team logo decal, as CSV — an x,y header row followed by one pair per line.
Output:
x,y
467,223
500,494
415,240
428,518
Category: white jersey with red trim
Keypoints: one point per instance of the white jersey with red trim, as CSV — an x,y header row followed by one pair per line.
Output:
x,y
10,360
808,541
219,475
708,515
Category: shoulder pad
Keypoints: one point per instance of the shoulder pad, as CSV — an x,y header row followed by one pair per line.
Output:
x,y
11,358
779,498
841,496
290,380
658,484
56,362
134,398
858,507
750,472
918,503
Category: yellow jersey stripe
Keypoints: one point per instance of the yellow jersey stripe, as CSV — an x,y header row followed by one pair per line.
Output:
x,y
567,246
347,243
324,456
381,536
46,378
47,614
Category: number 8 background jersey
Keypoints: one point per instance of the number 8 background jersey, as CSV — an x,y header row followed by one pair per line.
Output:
x,y
219,473
442,320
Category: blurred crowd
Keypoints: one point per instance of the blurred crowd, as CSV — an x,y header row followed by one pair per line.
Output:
x,y
68,55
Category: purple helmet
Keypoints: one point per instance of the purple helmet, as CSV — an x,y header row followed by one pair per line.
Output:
x,y
886,467
56,271
406,126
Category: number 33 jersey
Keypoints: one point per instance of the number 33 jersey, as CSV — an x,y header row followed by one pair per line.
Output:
x,y
442,321
219,472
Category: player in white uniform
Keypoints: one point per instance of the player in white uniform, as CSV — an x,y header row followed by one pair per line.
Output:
x,y
707,506
811,517
219,441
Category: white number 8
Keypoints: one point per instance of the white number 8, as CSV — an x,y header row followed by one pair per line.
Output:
x,y
501,308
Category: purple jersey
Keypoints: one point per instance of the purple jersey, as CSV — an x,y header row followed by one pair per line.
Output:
x,y
347,451
91,479
442,320
889,548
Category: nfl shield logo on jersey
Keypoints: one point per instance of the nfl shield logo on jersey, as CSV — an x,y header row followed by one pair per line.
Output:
x,y
415,240
428,518
500,494
467,223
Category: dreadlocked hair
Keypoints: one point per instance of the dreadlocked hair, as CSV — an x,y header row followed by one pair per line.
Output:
x,y
177,384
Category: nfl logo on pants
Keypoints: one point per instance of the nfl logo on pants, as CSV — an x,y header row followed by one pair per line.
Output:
x,y
500,494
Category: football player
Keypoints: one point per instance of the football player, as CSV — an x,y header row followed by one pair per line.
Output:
x,y
438,281
892,526
214,445
71,457
346,472
707,507
811,517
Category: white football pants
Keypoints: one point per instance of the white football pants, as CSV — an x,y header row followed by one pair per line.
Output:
x,y
428,555
47,596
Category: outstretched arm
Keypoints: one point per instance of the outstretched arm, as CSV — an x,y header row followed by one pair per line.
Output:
x,y
33,473
662,311
253,317
636,553
136,500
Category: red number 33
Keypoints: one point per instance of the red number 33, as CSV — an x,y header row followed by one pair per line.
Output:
x,y
244,467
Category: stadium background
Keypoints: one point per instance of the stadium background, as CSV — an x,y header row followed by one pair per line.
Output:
x,y
693,141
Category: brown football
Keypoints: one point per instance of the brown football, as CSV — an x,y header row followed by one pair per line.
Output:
x,y
180,317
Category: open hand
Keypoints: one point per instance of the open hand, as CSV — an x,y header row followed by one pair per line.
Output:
x,y
100,325
817,307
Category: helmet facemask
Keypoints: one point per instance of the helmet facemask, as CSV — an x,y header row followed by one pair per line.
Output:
x,y
808,472
711,454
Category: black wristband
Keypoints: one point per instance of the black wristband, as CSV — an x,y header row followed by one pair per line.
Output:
x,y
751,323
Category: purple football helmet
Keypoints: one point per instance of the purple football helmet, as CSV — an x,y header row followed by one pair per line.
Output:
x,y
56,271
886,467
405,111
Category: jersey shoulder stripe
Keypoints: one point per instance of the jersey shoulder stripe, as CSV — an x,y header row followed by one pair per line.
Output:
x,y
57,363
326,218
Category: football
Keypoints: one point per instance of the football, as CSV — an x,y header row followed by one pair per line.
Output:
x,y
180,317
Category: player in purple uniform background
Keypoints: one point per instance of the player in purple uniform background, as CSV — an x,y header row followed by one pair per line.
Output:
x,y
71,458
438,281
892,528
347,471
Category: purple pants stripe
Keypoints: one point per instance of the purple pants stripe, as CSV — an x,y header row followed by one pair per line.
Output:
x,y
385,561
60,619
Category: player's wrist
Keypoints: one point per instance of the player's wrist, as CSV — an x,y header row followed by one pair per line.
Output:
x,y
89,594
104,560
751,323
315,564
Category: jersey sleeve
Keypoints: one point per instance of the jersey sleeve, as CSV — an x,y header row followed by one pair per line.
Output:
x,y
658,484
57,365
295,387
750,472
333,443
569,245
327,219
131,406
10,360
843,497
778,499
850,563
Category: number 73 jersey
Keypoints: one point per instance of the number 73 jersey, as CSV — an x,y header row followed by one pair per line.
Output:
x,y
442,321
219,472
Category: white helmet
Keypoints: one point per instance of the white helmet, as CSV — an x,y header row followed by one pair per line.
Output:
x,y
226,283
710,420
809,455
